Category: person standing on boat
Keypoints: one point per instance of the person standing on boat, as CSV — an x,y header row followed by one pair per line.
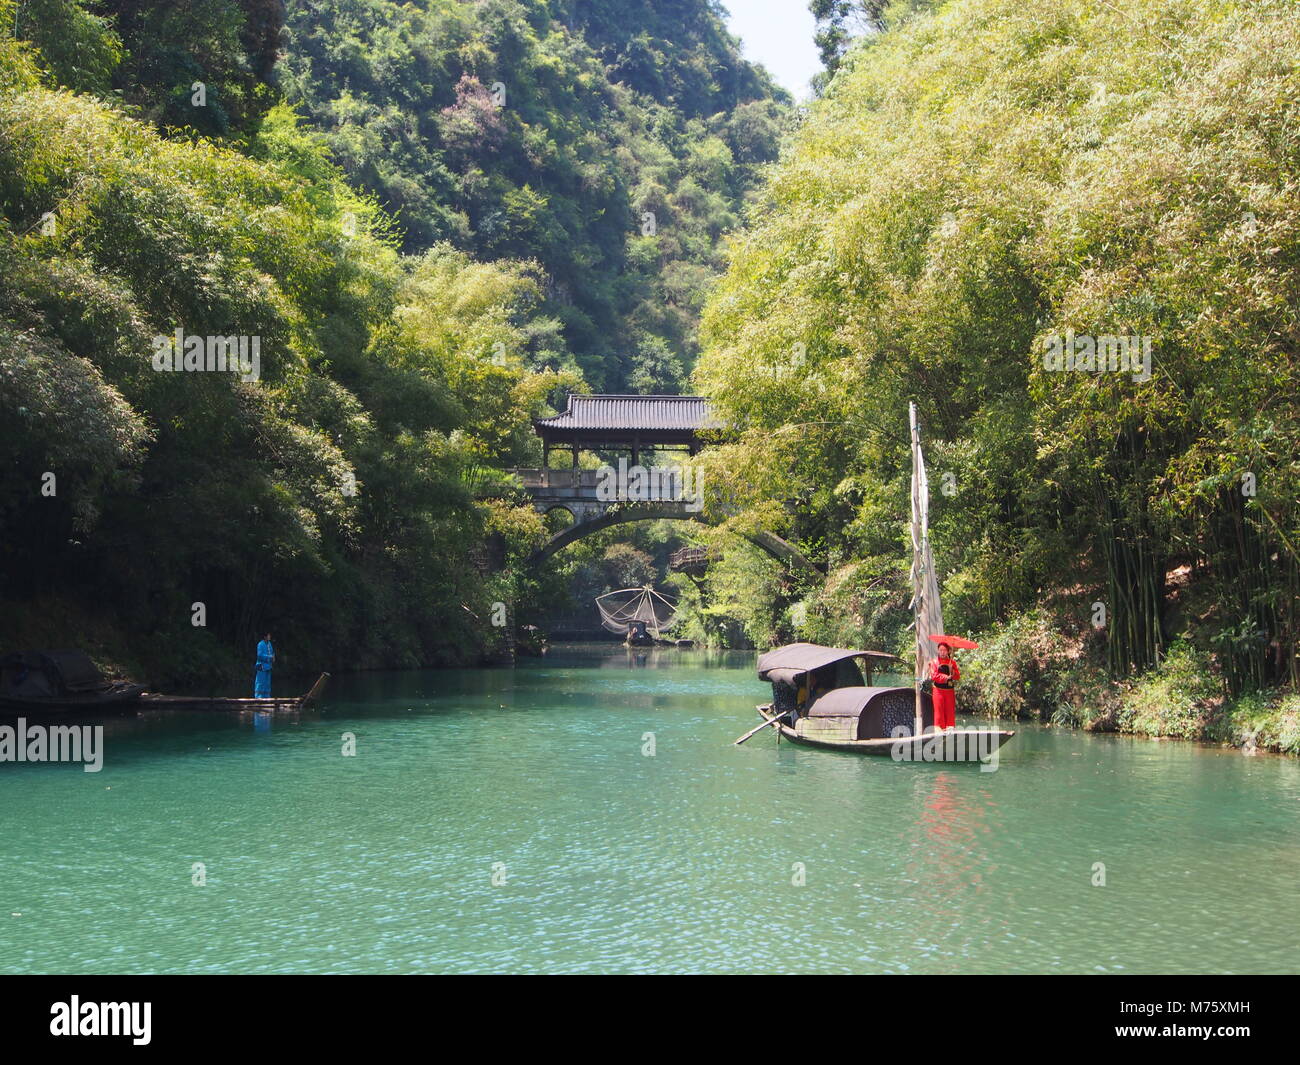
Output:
x,y
265,662
944,675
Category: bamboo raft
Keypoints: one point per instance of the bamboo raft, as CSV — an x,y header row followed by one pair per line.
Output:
x,y
63,682
156,701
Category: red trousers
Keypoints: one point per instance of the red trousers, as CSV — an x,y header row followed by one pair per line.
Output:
x,y
945,707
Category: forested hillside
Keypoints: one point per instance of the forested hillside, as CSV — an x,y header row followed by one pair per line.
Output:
x,y
420,266
976,188
612,143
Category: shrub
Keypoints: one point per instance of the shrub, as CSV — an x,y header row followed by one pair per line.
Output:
x,y
1179,697
1270,720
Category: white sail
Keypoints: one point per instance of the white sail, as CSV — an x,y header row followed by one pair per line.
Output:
x,y
926,611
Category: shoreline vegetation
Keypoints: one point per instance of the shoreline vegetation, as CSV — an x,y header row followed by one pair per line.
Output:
x,y
433,220
1030,669
1068,231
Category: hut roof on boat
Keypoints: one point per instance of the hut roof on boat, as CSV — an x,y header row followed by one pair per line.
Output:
x,y
795,658
848,702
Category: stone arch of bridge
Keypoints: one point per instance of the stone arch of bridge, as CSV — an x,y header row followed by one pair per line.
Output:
x,y
777,547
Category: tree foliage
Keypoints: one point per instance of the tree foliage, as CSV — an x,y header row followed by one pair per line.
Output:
x,y
610,143
334,498
975,183
433,218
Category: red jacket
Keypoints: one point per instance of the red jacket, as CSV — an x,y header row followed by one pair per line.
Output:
x,y
945,673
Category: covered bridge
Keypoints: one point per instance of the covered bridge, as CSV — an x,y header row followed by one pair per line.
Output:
x,y
626,423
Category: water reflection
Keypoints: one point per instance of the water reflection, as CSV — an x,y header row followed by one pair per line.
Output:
x,y
618,656
944,856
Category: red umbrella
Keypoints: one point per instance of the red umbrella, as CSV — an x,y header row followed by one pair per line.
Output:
x,y
957,643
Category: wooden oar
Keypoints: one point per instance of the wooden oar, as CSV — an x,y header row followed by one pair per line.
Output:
x,y
769,721
316,690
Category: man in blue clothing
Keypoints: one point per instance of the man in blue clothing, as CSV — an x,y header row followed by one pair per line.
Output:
x,y
265,660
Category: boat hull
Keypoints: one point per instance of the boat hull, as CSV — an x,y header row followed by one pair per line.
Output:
x,y
956,745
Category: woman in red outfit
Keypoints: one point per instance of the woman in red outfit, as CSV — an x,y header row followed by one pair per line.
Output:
x,y
944,675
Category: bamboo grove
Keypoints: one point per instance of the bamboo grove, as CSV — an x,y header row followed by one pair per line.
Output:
x,y
982,183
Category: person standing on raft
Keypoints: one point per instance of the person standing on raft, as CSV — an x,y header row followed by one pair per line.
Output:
x,y
944,675
265,662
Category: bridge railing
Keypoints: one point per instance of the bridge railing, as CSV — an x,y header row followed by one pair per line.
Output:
x,y
689,557
557,479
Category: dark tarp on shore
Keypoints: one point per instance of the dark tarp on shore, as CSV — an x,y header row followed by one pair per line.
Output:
x,y
44,674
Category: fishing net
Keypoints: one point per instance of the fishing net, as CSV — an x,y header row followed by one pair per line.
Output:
x,y
619,610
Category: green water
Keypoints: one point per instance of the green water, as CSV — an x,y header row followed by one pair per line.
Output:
x,y
617,861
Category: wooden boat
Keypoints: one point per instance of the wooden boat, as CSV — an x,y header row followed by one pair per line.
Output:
x,y
951,745
35,681
155,701
821,697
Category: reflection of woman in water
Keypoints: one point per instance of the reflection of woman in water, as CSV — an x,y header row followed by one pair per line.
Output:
x,y
944,675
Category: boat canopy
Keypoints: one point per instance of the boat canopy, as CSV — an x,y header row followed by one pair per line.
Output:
x,y
875,712
786,664
847,702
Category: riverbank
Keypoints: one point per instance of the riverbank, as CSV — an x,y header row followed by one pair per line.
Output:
x,y
1048,664
192,658
1036,668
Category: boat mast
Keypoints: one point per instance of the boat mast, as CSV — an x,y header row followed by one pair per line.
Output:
x,y
919,491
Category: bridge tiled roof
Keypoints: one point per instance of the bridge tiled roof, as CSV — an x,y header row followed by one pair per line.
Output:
x,y
640,413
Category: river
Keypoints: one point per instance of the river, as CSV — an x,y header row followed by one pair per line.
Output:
x,y
588,812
